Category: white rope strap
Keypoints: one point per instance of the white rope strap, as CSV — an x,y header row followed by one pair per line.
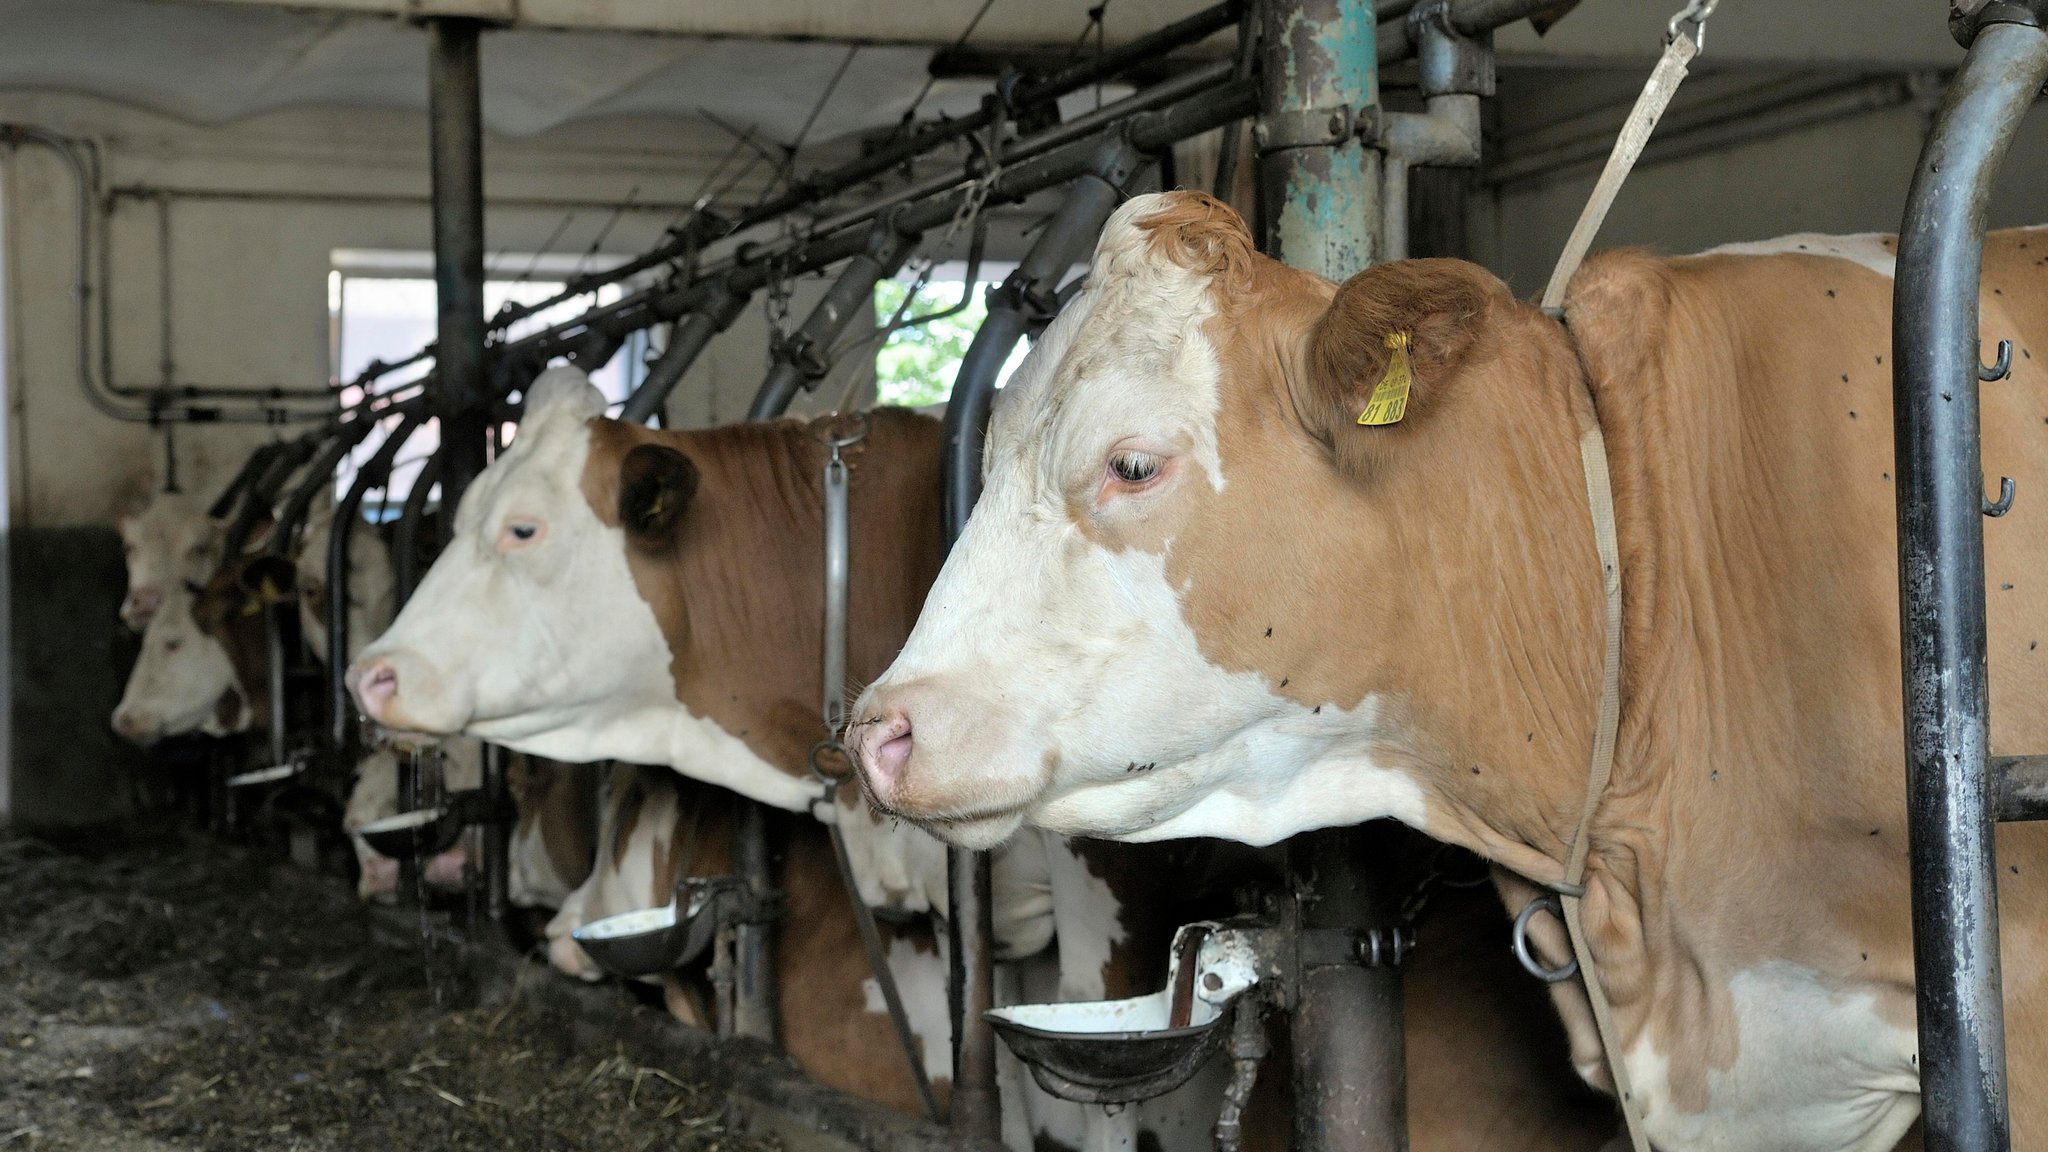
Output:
x,y
1679,51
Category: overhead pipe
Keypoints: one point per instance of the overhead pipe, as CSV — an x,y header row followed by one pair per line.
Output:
x,y
686,341
1025,299
1949,796
804,357
1457,71
152,405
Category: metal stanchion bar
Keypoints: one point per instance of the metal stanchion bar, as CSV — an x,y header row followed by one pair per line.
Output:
x,y
1941,587
1027,295
686,341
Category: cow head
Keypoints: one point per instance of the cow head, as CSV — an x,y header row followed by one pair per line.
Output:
x,y
203,666
1197,597
537,627
168,541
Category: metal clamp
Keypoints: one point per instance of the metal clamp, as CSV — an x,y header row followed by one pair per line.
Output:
x,y
1966,18
1305,128
1527,956
1451,62
1348,947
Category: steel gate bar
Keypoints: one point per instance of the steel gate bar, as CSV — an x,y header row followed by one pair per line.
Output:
x,y
1941,580
1026,295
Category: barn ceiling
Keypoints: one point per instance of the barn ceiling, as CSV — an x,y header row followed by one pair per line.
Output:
x,y
223,60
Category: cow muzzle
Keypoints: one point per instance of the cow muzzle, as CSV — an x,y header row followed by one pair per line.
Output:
x,y
136,727
140,606
952,764
404,694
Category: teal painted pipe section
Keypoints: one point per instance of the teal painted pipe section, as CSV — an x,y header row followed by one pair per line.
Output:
x,y
1321,201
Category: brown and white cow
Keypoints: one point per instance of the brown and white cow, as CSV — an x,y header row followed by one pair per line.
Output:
x,y
614,592
168,542
1199,598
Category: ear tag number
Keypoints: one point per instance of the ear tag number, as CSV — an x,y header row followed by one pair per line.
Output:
x,y
1389,400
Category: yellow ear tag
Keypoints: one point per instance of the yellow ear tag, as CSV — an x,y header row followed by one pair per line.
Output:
x,y
660,502
1389,401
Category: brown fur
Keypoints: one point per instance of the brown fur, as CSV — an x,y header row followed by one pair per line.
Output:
x,y
557,801
1756,811
741,569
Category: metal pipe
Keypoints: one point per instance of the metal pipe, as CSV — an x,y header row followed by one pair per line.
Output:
x,y
686,341
405,535
2020,787
1941,589
320,473
455,115
1024,297
819,186
257,462
1396,41
804,357
374,474
497,786
1321,184
754,996
274,651
1321,188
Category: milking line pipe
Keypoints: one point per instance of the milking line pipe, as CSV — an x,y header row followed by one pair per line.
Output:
x,y
804,357
753,266
1950,819
819,186
1027,296
687,339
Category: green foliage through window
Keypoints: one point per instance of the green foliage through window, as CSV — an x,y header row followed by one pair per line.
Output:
x,y
916,365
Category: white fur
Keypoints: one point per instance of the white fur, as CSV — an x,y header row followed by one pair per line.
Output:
x,y
1817,1068
169,543
550,649
372,585
177,682
921,981
1865,248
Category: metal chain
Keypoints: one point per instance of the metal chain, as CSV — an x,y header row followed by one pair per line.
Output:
x,y
1694,13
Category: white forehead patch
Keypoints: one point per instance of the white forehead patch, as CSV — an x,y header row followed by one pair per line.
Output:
x,y
1865,248
1126,356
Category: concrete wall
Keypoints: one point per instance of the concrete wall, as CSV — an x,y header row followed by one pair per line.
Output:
x,y
1846,176
248,275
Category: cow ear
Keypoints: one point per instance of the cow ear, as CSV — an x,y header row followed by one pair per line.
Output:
x,y
268,579
566,388
1382,356
656,483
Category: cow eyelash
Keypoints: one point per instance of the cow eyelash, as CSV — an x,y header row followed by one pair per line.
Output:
x,y
1133,467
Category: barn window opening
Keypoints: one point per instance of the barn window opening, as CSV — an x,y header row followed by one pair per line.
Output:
x,y
915,366
382,307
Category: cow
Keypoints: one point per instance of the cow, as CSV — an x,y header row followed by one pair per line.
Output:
x,y
659,606
831,1017
168,541
1200,598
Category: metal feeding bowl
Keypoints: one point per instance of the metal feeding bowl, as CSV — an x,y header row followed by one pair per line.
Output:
x,y
650,941
426,832
263,776
1121,1051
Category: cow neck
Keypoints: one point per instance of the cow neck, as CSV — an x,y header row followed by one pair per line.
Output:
x,y
738,596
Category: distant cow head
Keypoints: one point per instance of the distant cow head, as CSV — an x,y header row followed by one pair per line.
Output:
x,y
1197,597
168,541
538,627
204,666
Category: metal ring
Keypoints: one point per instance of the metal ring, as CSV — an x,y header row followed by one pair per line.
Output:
x,y
830,782
1530,963
838,442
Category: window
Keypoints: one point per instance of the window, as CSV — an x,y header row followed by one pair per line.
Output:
x,y
382,306
915,366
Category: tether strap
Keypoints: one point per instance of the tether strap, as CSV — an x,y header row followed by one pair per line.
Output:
x,y
1628,148
832,709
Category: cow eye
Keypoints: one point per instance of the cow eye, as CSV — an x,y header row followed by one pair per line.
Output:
x,y
523,531
518,534
1133,467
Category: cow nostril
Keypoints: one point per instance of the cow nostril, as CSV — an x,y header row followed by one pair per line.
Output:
x,y
885,748
374,685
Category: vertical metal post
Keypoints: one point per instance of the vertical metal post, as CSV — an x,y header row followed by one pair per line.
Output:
x,y
1319,69
455,114
273,649
497,835
1025,296
754,995
1941,586
1320,186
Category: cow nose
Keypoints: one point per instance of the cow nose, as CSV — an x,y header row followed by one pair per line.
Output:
x,y
375,685
141,604
882,751
129,725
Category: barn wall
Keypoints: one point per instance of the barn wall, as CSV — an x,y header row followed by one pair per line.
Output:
x,y
248,285
1845,176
